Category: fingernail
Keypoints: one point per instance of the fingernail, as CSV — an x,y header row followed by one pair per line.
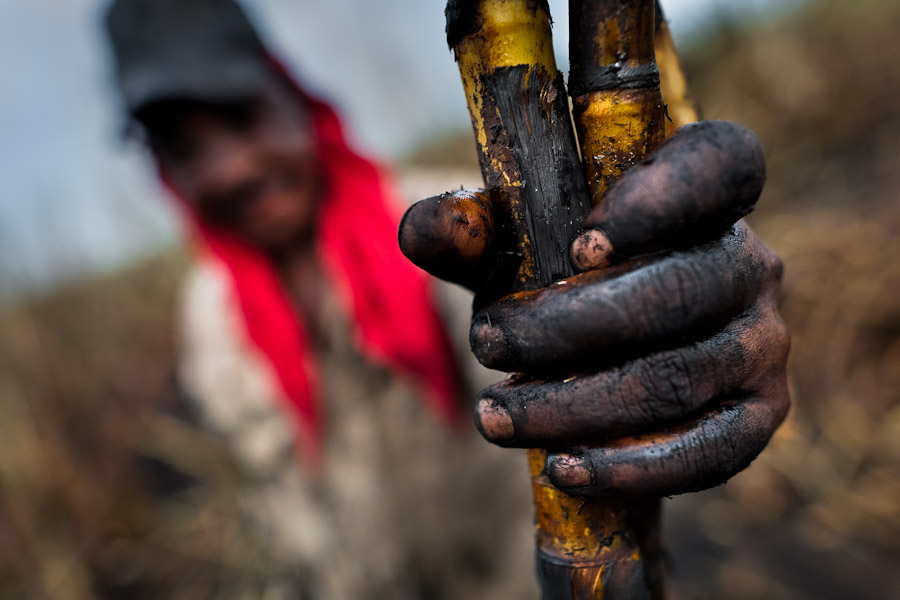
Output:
x,y
568,471
494,421
487,342
591,250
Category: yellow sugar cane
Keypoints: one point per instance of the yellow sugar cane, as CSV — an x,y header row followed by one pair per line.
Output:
x,y
680,106
526,147
529,159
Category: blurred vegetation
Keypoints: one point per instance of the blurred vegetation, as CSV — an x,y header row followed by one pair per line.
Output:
x,y
818,514
107,490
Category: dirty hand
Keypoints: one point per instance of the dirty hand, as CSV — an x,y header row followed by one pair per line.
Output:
x,y
660,367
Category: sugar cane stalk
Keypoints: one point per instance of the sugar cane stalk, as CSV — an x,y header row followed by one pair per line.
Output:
x,y
529,159
614,83
680,105
526,147
619,117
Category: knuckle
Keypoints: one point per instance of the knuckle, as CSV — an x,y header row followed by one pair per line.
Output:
x,y
782,337
672,296
670,385
772,353
634,402
776,401
773,264
777,266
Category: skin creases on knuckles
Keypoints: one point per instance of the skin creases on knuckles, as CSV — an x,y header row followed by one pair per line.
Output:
x,y
693,456
735,377
607,316
641,395
679,355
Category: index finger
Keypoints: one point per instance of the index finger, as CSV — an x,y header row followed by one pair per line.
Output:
x,y
695,185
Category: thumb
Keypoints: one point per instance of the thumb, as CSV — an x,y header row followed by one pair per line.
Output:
x,y
449,235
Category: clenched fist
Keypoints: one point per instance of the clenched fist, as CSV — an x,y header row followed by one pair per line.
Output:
x,y
660,367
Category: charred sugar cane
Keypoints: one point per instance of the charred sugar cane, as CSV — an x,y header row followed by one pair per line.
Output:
x,y
529,159
526,147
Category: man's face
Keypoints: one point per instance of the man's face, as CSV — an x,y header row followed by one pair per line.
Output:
x,y
249,167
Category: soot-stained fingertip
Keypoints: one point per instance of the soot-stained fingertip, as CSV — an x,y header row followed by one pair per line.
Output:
x,y
569,471
591,250
493,421
488,342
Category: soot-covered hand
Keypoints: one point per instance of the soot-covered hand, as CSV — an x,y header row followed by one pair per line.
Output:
x,y
660,367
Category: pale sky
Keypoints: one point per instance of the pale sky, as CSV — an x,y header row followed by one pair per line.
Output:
x,y
75,198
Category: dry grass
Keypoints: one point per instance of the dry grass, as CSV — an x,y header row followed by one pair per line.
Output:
x,y
818,514
108,491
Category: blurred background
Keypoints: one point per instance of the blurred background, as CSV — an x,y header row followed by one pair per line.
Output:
x,y
106,491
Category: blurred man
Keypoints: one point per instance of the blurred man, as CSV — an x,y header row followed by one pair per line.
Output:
x,y
313,348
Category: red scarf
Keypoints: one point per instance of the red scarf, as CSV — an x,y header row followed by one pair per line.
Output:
x,y
393,315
